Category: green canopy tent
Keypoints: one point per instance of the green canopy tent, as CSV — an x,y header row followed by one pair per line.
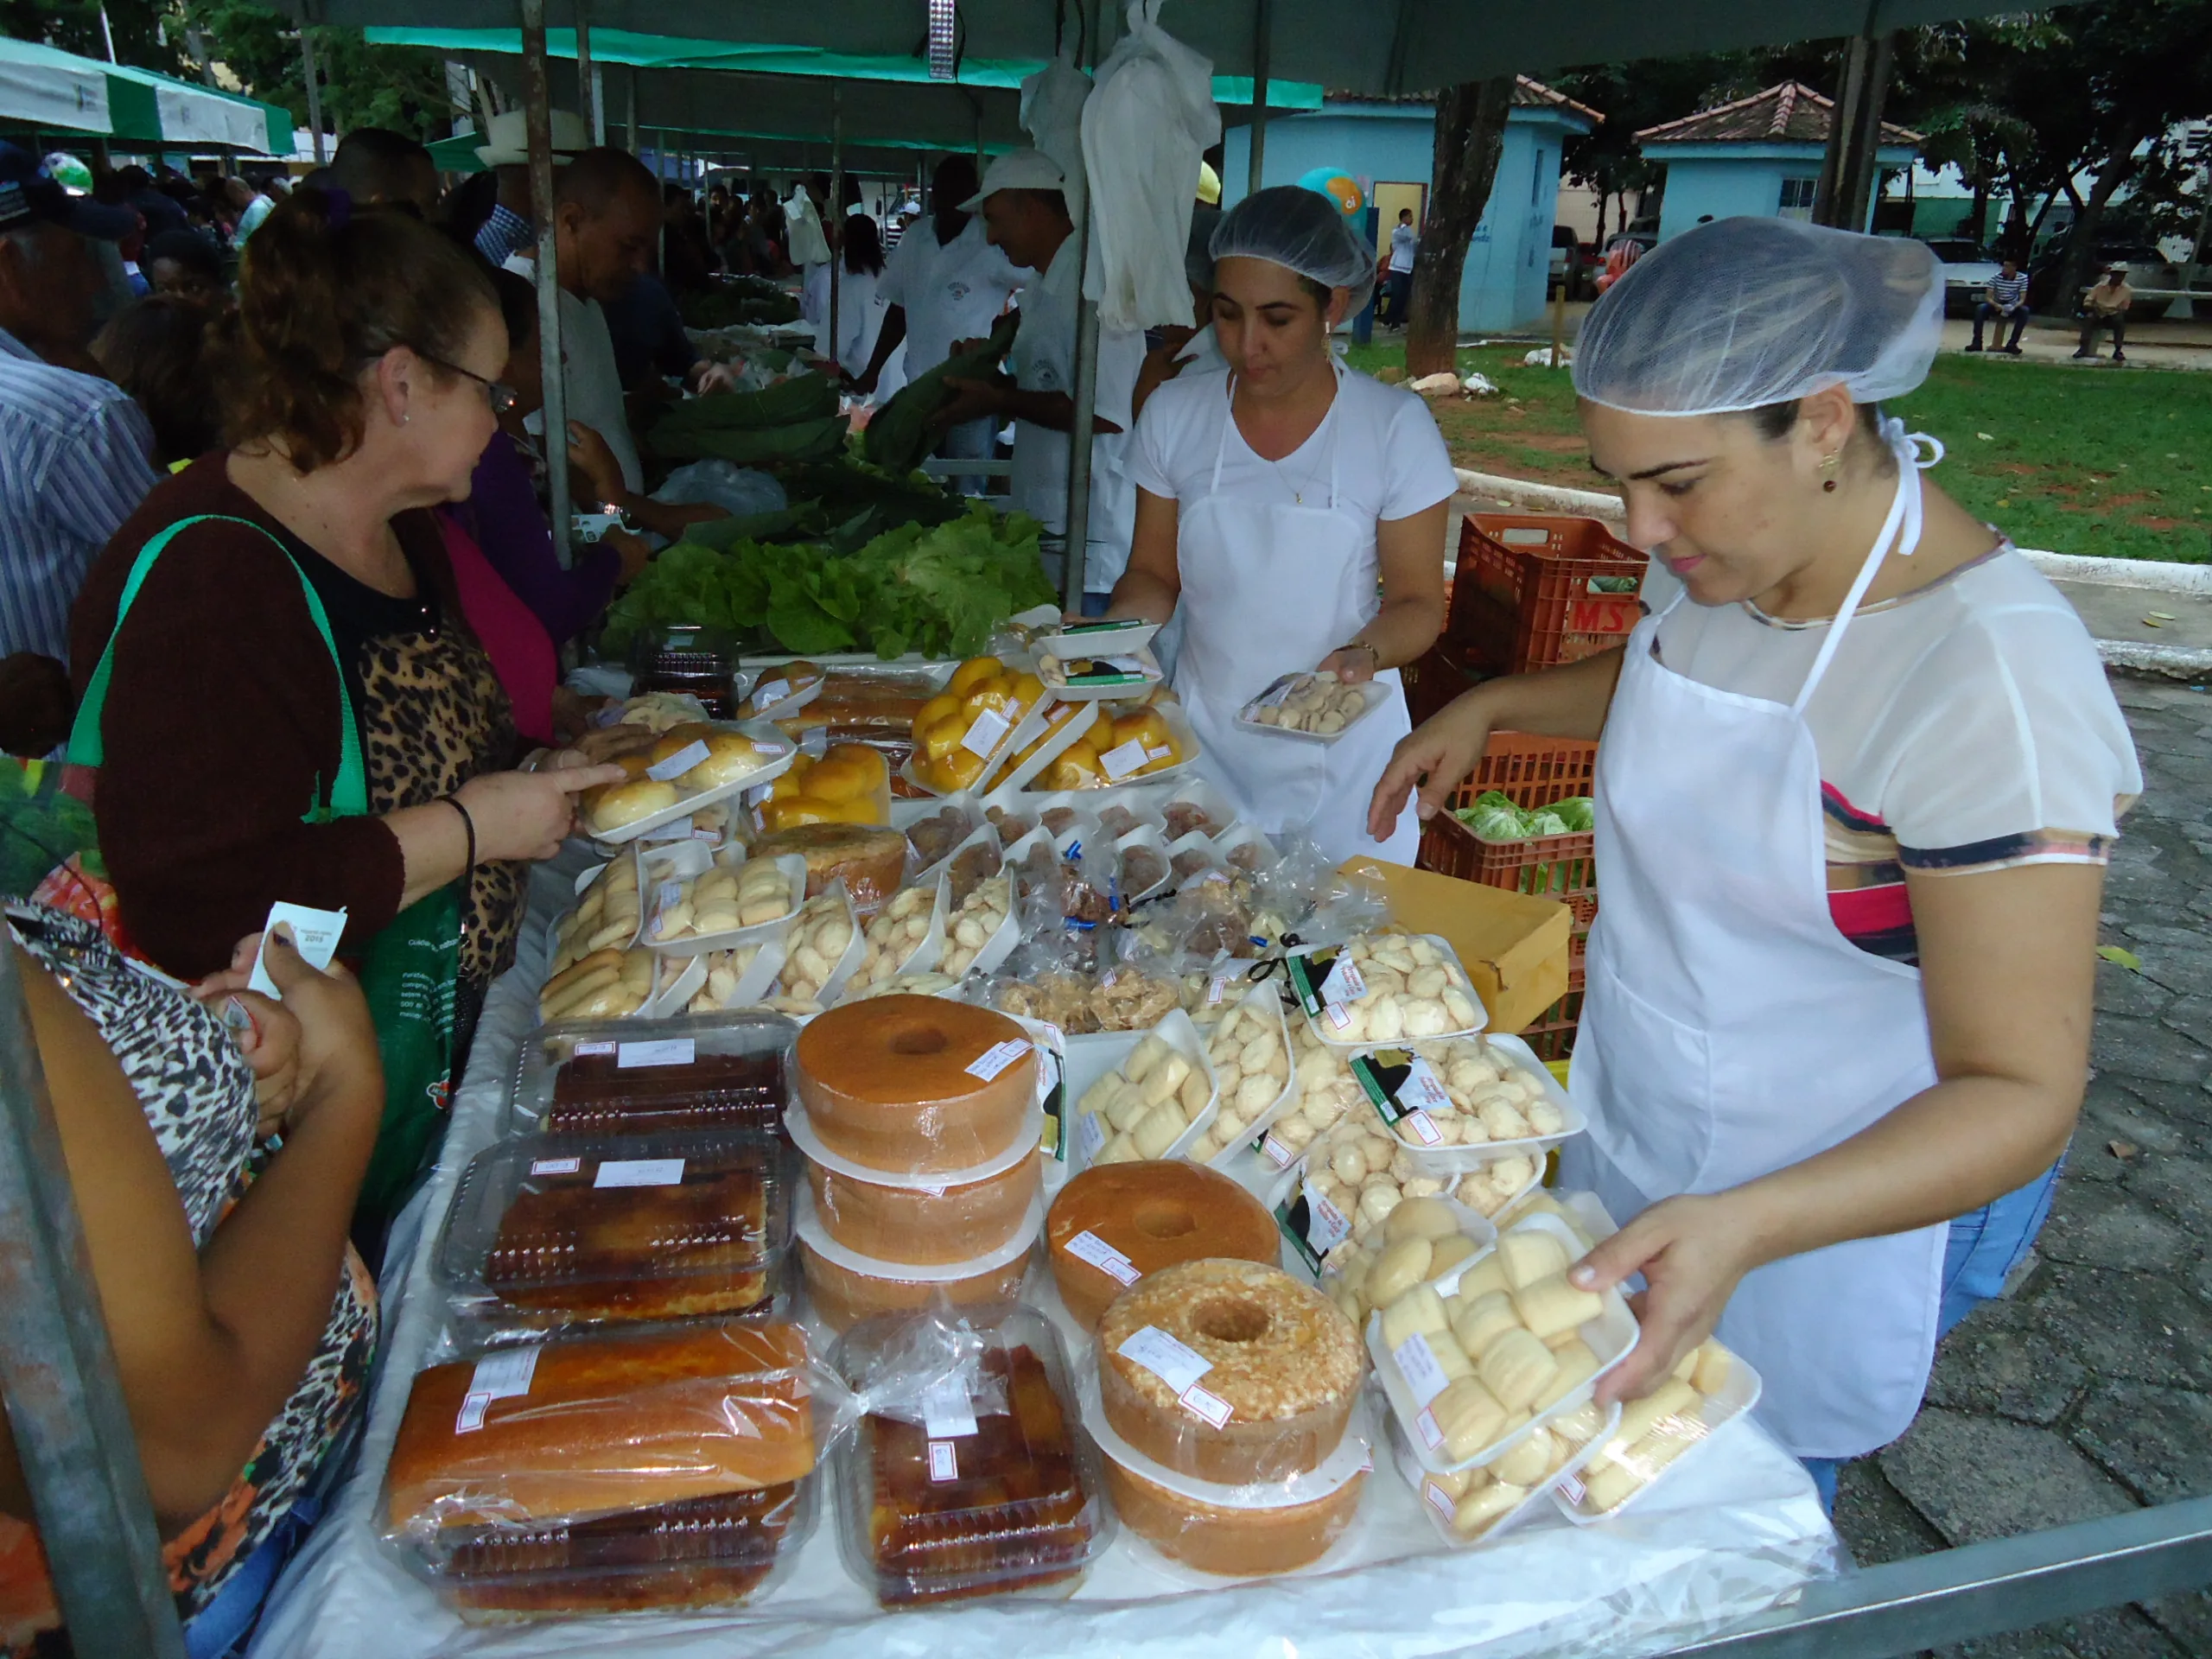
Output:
x,y
44,90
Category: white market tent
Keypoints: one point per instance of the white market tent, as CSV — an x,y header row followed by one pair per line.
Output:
x,y
65,1403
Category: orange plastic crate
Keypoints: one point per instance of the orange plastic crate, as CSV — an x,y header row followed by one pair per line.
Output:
x,y
1523,598
1551,1034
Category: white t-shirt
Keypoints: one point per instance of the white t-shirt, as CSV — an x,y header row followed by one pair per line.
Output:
x,y
953,290
1966,727
1044,361
1201,354
1403,238
1388,459
588,378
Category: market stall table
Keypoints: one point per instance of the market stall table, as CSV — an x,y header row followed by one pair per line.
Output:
x,y
1729,1535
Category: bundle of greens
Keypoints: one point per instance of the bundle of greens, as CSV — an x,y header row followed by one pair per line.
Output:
x,y
793,420
900,436
937,590
739,300
1495,818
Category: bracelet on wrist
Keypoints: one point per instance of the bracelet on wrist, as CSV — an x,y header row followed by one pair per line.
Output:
x,y
468,824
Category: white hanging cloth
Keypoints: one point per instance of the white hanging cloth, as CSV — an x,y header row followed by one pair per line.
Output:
x,y
1052,114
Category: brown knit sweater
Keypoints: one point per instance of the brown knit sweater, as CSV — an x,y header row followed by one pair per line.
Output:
x,y
221,727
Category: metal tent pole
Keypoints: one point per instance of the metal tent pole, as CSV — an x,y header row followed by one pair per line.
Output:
x,y
537,105
65,1408
1263,16
591,107
633,109
837,208
315,93
1084,394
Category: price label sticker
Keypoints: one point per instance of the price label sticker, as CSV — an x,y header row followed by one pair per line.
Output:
x,y
639,1172
1277,1151
1425,1378
668,771
1216,988
1331,1226
1210,1406
1343,982
995,1058
496,1376
667,1051
1571,1488
1424,1129
555,1165
1125,759
1338,1019
944,1462
1179,1367
769,693
985,732
591,1050
947,1412
1439,1499
679,830
1431,1435
1090,1137
1088,1247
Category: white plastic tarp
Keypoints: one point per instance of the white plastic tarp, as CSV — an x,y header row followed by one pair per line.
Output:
x,y
49,89
1733,1530
190,117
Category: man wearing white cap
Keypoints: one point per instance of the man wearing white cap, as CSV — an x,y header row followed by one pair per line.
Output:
x,y
513,225
1025,214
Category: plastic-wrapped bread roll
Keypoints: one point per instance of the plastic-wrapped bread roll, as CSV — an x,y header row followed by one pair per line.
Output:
x,y
1420,1312
1639,1417
1516,1368
1551,1307
1578,1364
1528,1462
1527,1256
1477,1323
1483,1505
1468,1415
1398,1269
1714,1366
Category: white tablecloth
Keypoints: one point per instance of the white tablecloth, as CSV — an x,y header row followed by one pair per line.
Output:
x,y
1733,1530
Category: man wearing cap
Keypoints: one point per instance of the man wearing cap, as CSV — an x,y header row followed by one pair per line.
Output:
x,y
1025,214
75,452
2106,305
512,228
945,281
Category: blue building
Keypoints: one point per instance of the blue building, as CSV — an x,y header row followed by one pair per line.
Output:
x,y
1388,145
1757,157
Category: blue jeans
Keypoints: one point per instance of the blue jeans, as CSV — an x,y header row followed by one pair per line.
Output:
x,y
1095,604
1983,1248
221,1627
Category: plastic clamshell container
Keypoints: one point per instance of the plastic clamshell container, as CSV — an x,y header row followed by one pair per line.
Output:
x,y
778,751
926,864
629,1077
1318,1019
928,1220
848,963
980,1482
846,1286
1735,1397
1099,639
1106,684
1245,846
1215,812
1372,693
791,866
1460,1157
1264,997
1611,1335
754,982
1144,837
1092,1057
691,1556
1257,1529
618,1227
1436,1503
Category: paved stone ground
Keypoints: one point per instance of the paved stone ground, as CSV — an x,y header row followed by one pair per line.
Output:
x,y
2089,1389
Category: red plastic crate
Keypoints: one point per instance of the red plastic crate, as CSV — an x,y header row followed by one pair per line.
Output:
x,y
1433,680
1522,596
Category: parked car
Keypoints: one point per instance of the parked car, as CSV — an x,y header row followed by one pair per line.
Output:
x,y
1968,267
1573,263
2145,266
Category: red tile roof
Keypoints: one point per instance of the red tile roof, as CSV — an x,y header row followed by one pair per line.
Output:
x,y
1526,95
1789,114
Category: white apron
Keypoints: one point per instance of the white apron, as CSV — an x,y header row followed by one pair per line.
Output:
x,y
1730,1029
1270,589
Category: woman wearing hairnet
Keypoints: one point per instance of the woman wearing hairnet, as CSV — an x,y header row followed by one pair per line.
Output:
x,y
1293,513
1859,773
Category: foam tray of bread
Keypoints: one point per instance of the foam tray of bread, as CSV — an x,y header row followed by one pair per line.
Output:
x,y
1155,1099
847,783
691,1071
618,1227
1475,1363
1473,1506
1456,1104
970,1474
1710,1386
1315,708
1096,674
548,1478
1354,1178
1386,987
688,767
696,901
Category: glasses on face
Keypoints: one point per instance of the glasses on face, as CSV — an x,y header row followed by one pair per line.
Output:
x,y
501,396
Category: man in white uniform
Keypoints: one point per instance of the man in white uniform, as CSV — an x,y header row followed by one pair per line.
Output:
x,y
945,281
1026,213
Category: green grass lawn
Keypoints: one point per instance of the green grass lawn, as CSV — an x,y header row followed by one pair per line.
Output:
x,y
2091,460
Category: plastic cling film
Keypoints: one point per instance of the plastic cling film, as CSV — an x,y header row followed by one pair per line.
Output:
x,y
1386,987
1478,1504
1711,1388
847,1287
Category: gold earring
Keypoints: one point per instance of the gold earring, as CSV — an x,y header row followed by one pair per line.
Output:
x,y
1829,463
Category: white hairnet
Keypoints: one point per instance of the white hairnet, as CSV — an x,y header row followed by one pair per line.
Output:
x,y
1744,312
1302,230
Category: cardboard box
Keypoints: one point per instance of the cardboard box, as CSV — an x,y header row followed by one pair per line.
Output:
x,y
1514,946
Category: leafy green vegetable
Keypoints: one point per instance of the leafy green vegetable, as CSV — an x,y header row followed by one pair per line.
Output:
x,y
899,435
739,300
1495,818
936,589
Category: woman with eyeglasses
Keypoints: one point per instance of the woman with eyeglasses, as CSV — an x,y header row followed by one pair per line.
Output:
x,y
275,679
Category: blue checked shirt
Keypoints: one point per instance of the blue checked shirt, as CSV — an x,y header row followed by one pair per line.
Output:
x,y
75,461
504,234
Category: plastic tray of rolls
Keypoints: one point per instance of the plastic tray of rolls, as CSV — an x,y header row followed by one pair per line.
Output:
x,y
1386,987
1712,1386
1474,1363
629,1077
580,1229
689,768
970,1474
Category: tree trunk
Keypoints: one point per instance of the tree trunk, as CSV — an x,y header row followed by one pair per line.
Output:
x,y
1469,133
2082,239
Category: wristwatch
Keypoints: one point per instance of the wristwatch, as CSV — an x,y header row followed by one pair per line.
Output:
x,y
1362,644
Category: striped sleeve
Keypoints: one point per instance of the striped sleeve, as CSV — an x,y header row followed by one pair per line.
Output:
x,y
98,476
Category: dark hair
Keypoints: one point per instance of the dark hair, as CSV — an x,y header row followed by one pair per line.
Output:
x,y
863,245
1774,422
374,162
598,178
517,306
954,171
320,294
155,349
188,249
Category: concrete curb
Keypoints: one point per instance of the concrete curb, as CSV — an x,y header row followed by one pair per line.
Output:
x,y
2156,574
2169,662
1541,497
